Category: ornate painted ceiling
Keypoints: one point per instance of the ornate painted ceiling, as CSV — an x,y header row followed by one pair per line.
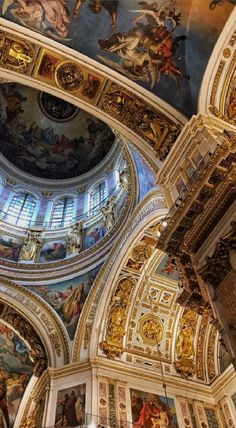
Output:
x,y
164,46
48,137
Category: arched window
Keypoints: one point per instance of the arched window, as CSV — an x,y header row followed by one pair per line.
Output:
x,y
62,212
97,197
21,209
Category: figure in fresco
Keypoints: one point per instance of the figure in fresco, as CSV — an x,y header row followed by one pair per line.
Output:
x,y
215,3
75,238
151,411
147,52
170,266
96,7
70,412
71,407
46,16
42,151
53,251
15,371
9,248
3,399
110,6
32,245
156,15
71,302
108,211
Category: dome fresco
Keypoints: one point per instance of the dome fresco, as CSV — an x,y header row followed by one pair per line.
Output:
x,y
164,46
48,137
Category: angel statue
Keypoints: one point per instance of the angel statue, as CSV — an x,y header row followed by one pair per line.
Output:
x,y
32,245
75,238
108,211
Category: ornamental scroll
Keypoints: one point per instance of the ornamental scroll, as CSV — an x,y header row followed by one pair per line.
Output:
x,y
184,347
112,346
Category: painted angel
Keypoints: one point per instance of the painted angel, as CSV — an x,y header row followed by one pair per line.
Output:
x,y
46,16
157,16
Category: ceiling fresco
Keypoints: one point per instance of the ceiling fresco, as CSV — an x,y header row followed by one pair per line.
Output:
x,y
48,137
164,45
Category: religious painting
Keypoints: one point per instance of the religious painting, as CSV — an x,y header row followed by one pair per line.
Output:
x,y
94,234
47,67
152,410
70,408
52,251
168,268
164,46
15,372
68,297
9,248
48,137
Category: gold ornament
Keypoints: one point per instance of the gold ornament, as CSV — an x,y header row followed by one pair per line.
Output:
x,y
69,76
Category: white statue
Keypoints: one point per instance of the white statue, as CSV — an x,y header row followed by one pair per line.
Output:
x,y
32,245
108,211
124,179
75,238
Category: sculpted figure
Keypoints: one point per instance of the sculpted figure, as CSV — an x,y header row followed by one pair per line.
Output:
x,y
108,211
184,345
152,330
117,329
75,238
124,179
32,245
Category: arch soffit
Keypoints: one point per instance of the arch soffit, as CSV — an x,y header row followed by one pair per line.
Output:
x,y
149,211
217,94
42,318
119,102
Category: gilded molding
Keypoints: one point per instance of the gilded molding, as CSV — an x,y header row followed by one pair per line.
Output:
x,y
211,364
154,127
149,204
72,77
